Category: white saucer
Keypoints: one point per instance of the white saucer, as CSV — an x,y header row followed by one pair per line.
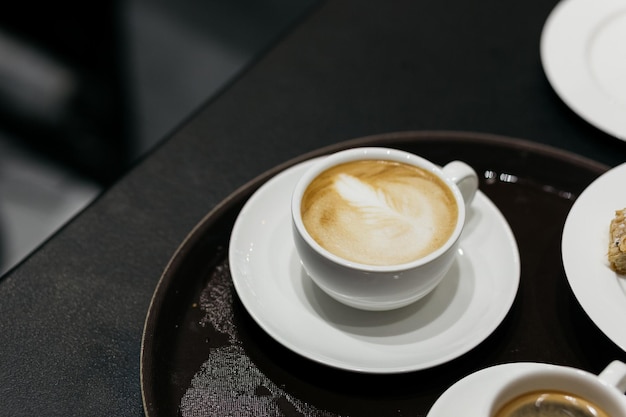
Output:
x,y
468,396
466,307
583,55
599,290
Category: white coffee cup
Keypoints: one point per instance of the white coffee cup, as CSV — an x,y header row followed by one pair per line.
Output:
x,y
381,287
605,390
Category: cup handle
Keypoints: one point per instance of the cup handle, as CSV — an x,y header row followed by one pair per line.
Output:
x,y
464,177
615,374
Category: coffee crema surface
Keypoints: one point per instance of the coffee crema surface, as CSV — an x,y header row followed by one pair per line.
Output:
x,y
379,212
550,404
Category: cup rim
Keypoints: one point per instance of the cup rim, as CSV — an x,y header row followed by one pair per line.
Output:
x,y
543,380
372,153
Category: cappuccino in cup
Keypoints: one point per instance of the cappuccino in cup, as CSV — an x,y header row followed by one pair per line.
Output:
x,y
379,228
379,212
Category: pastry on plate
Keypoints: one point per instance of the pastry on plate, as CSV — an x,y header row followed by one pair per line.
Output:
x,y
617,242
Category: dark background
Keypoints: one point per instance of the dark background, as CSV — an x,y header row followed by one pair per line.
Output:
x,y
87,89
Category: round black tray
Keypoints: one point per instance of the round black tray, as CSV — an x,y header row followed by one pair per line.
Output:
x,y
202,354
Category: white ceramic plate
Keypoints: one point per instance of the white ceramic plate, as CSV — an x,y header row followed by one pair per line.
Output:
x,y
599,290
460,313
584,57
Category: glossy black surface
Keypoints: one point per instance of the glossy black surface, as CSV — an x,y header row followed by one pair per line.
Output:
x,y
196,316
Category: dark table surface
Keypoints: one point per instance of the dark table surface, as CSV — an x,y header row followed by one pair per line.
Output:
x,y
72,314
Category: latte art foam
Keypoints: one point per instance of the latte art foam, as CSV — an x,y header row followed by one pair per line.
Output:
x,y
379,212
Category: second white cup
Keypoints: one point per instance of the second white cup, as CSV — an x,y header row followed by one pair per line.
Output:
x,y
554,390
